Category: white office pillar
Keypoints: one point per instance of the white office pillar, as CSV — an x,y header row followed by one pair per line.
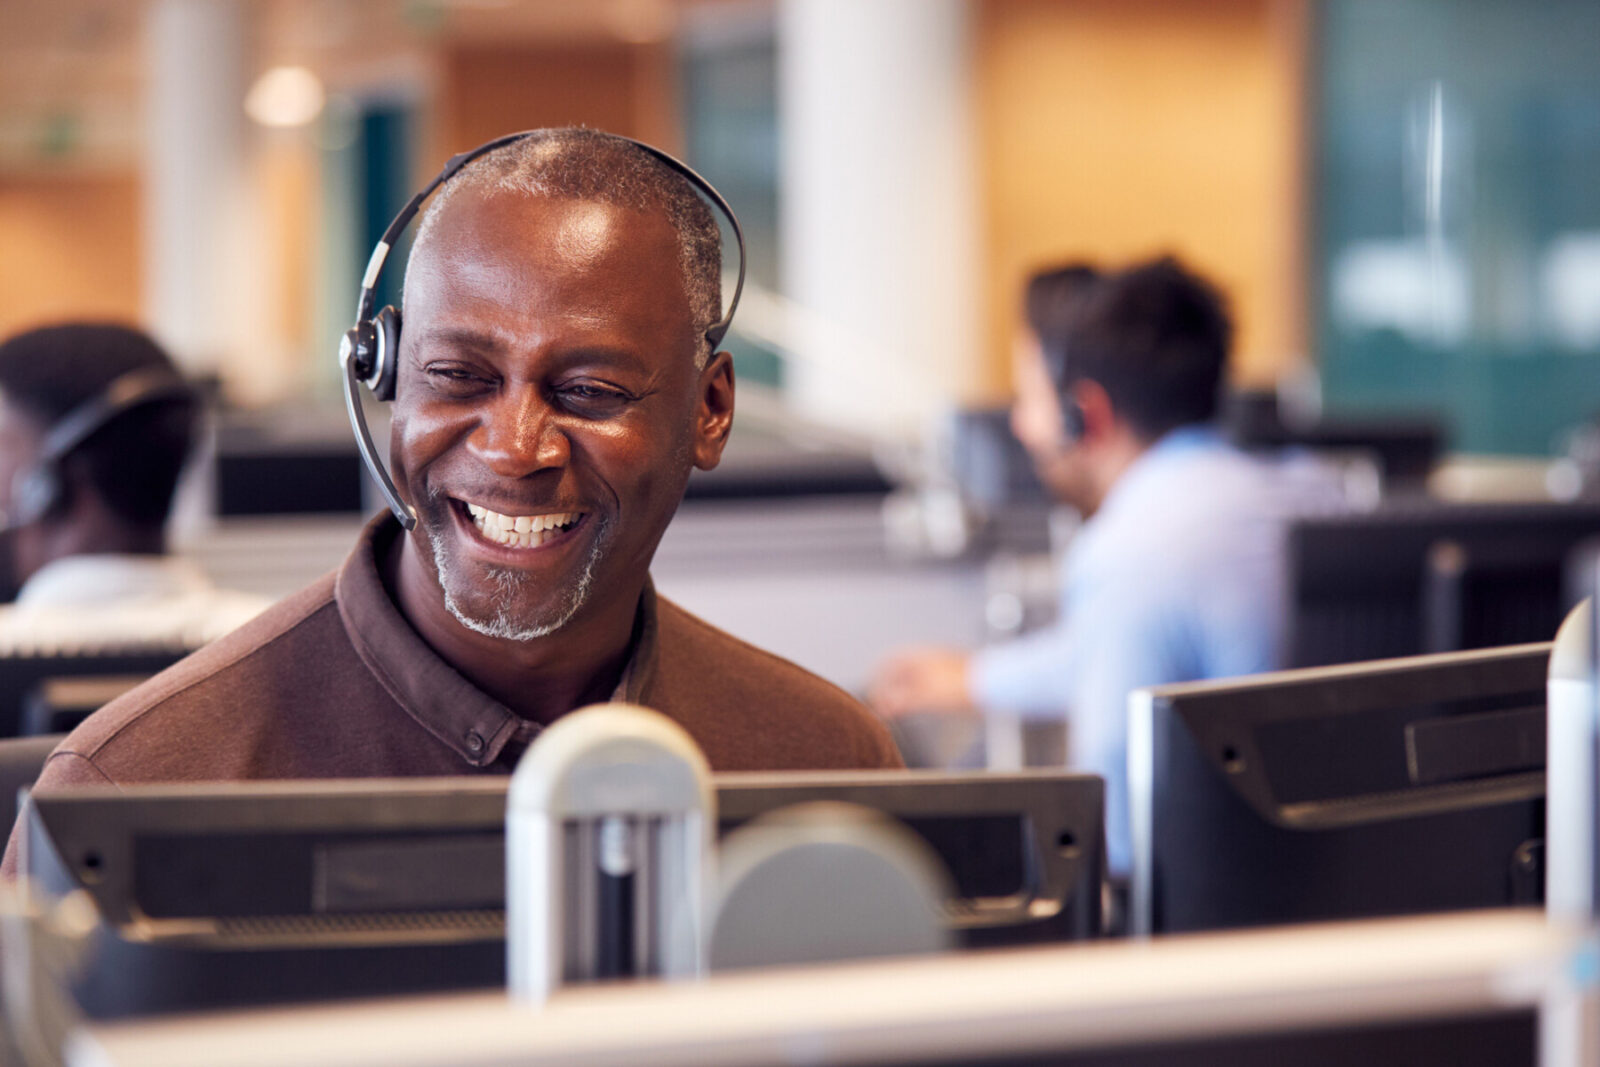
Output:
x,y
879,206
196,275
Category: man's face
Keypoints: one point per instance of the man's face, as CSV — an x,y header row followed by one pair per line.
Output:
x,y
548,410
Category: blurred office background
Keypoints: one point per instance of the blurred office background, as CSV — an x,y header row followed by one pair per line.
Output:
x,y
1401,200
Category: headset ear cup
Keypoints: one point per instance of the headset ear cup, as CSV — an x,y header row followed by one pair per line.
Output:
x,y
33,494
1072,422
386,327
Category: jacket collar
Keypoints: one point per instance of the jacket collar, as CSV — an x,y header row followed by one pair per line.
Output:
x,y
477,727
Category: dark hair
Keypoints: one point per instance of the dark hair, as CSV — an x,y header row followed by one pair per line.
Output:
x,y
575,163
1155,337
133,461
1049,304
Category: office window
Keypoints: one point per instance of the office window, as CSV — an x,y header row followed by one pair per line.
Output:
x,y
728,73
1456,237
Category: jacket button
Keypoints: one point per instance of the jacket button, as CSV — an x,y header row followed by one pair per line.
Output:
x,y
474,742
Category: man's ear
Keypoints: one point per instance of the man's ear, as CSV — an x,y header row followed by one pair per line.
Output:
x,y
713,417
1095,404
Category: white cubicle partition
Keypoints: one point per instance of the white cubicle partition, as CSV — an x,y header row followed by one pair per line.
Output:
x,y
992,1006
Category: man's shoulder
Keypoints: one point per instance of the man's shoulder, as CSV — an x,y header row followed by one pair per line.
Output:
x,y
215,685
755,699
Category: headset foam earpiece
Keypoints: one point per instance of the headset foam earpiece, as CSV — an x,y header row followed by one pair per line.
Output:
x,y
1072,420
37,488
379,336
371,348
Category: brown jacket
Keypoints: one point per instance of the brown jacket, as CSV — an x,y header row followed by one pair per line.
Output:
x,y
333,683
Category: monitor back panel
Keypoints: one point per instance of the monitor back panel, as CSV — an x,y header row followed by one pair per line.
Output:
x,y
1418,576
260,892
1382,789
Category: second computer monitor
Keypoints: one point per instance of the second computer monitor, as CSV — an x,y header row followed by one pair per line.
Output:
x,y
1420,576
1383,788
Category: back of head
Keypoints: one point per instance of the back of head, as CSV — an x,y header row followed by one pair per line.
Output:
x,y
134,460
1050,303
1155,337
574,163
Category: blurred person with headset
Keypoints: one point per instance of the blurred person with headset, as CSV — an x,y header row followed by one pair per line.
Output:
x,y
557,377
96,425
1177,572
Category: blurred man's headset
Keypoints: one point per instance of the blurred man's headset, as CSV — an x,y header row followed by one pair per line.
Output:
x,y
370,348
37,487
1072,420
1063,381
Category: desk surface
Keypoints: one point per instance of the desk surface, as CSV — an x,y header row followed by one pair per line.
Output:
x,y
929,1010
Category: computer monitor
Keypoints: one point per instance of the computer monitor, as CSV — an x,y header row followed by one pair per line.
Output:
x,y
29,706
1384,788
286,461
1418,576
247,893
1403,448
989,465
308,480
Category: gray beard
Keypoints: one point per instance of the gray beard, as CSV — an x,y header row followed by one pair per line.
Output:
x,y
508,583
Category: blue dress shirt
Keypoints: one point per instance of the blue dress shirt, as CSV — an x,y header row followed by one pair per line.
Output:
x,y
1178,576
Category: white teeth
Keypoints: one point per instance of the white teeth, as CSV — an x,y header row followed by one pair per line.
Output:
x,y
519,531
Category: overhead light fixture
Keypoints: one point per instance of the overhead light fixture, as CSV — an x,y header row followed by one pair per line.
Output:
x,y
285,96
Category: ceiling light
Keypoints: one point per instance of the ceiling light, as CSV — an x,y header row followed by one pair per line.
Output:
x,y
285,96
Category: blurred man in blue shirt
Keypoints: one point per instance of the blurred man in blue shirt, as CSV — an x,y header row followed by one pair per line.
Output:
x,y
1177,573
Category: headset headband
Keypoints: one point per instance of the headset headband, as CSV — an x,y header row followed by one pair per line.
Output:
x,y
35,488
380,254
130,390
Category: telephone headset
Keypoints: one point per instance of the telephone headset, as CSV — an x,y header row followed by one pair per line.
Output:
x,y
38,487
369,350
1072,418
1072,423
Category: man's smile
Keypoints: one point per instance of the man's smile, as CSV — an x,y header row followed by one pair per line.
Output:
x,y
518,531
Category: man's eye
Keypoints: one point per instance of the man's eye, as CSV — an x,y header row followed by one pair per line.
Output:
x,y
587,398
454,380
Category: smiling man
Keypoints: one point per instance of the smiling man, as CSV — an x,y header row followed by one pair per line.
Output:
x,y
554,389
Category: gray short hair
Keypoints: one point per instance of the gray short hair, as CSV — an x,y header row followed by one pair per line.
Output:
x,y
581,164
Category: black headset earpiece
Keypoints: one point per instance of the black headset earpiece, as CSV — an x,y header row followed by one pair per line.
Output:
x,y
38,488
387,327
34,492
373,345
1072,421
370,350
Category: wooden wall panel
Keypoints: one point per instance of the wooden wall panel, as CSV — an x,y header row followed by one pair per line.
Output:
x,y
1116,129
488,91
69,248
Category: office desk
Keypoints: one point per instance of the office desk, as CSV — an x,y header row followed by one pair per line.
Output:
x,y
1078,1004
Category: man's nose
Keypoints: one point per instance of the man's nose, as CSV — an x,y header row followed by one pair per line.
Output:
x,y
520,434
